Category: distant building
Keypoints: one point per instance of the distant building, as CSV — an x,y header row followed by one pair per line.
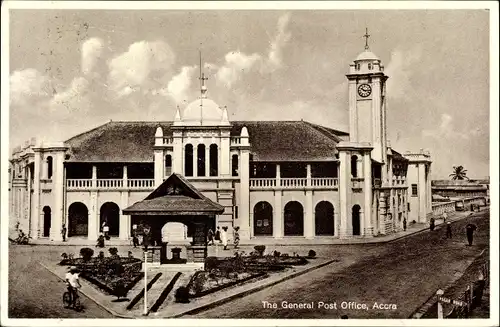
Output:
x,y
460,188
281,179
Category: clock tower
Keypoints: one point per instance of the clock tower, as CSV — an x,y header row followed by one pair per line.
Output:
x,y
367,107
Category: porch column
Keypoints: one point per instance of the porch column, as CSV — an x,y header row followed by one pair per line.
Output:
x,y
278,219
344,190
244,214
125,176
124,219
368,192
278,175
58,213
309,217
158,166
93,226
308,174
336,223
35,212
94,176
361,222
178,155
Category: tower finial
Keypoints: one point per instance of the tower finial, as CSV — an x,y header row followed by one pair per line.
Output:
x,y
366,36
202,78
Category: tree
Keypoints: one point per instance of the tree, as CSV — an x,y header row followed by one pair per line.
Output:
x,y
459,173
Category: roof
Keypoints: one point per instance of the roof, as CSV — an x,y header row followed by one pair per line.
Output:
x,y
396,156
269,140
203,111
175,196
367,55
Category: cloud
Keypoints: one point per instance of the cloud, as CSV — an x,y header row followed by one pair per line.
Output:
x,y
236,63
445,130
400,70
91,53
28,86
134,67
280,41
178,87
72,97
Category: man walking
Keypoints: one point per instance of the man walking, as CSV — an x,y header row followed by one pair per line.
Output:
x,y
404,224
448,230
445,216
470,228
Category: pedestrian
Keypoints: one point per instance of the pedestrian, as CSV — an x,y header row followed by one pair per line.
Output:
x,y
445,216
404,224
210,237
236,235
217,235
135,240
105,229
223,237
63,232
470,228
100,240
432,224
448,230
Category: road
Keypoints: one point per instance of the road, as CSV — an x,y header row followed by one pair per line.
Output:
x,y
401,276
34,292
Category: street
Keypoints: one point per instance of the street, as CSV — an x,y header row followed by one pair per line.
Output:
x,y
398,276
399,279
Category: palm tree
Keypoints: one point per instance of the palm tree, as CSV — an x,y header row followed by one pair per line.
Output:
x,y
459,173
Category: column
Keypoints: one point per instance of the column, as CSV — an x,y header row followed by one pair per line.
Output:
x,y
93,217
57,187
278,175
368,192
382,213
94,176
207,160
178,155
224,155
35,212
244,214
278,219
344,190
309,216
158,166
361,221
308,174
422,194
125,176
124,219
336,221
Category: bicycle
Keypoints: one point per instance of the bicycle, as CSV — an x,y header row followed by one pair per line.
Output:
x,y
76,305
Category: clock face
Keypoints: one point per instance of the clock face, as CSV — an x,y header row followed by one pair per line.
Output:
x,y
364,90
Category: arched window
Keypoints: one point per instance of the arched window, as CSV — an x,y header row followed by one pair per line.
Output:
x,y
234,165
49,167
294,219
78,219
188,160
168,165
110,217
201,159
324,221
263,219
214,160
354,166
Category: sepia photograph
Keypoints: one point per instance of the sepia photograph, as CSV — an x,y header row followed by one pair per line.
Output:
x,y
253,163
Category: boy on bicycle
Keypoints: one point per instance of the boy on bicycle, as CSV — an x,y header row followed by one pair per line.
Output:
x,y
73,283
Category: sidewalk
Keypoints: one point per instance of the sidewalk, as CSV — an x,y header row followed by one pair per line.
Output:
x,y
322,240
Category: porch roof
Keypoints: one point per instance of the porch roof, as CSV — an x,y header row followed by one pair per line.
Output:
x,y
175,196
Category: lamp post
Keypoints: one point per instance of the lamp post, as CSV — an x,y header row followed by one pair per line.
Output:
x,y
145,243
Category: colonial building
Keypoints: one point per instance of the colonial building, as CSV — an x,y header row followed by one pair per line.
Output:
x,y
275,179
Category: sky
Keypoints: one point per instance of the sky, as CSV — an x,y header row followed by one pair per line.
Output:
x,y
73,70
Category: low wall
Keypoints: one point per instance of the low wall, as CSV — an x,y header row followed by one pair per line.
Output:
x,y
438,208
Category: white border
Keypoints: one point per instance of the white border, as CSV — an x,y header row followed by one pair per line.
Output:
x,y
492,6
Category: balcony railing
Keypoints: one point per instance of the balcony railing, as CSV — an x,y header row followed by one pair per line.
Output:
x,y
235,140
110,184
294,183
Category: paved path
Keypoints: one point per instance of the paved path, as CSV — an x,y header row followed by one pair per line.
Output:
x,y
34,292
404,273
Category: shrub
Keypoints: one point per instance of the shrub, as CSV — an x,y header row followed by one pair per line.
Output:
x,y
101,255
130,255
113,251
311,254
276,253
260,249
64,256
199,282
182,295
71,256
211,263
120,290
285,255
86,254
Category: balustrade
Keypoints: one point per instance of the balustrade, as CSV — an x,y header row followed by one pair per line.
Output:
x,y
235,140
110,184
293,183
